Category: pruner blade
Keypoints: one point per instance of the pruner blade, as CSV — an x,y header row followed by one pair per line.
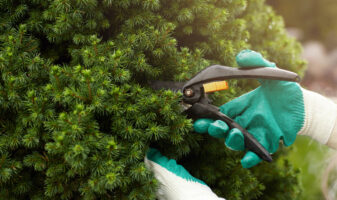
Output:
x,y
167,85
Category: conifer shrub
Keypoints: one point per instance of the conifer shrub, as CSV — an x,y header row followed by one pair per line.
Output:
x,y
77,114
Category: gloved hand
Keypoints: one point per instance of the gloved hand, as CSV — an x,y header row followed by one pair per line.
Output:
x,y
275,110
175,182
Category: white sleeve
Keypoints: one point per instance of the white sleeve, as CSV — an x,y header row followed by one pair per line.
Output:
x,y
320,118
173,187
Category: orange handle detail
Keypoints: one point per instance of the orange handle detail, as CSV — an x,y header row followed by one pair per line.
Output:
x,y
215,86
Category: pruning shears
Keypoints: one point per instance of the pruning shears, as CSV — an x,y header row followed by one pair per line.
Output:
x,y
213,78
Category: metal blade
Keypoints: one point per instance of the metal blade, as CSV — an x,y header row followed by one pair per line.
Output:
x,y
220,73
173,86
167,85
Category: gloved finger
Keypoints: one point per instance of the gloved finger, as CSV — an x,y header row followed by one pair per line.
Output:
x,y
218,129
249,58
250,159
235,140
201,125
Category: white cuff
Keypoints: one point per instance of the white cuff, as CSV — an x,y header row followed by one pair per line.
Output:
x,y
320,117
173,187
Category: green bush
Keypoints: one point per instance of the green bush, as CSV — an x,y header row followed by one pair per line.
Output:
x,y
77,115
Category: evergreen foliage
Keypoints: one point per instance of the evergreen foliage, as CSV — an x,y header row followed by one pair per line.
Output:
x,y
77,116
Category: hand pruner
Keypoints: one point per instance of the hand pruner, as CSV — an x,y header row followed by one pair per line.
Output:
x,y
197,105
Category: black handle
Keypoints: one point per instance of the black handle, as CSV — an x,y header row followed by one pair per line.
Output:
x,y
250,142
199,110
219,72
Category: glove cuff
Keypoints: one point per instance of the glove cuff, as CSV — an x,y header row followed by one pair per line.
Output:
x,y
320,117
174,187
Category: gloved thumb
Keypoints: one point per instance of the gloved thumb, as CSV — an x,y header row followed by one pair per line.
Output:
x,y
249,58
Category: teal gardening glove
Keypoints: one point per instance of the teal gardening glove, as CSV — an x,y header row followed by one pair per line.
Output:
x,y
275,110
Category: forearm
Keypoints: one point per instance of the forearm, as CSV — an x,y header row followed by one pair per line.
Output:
x,y
320,118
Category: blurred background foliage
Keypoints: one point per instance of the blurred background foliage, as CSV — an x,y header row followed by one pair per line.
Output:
x,y
314,24
312,159
316,19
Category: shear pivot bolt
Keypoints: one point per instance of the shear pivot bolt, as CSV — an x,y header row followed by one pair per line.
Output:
x,y
189,92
